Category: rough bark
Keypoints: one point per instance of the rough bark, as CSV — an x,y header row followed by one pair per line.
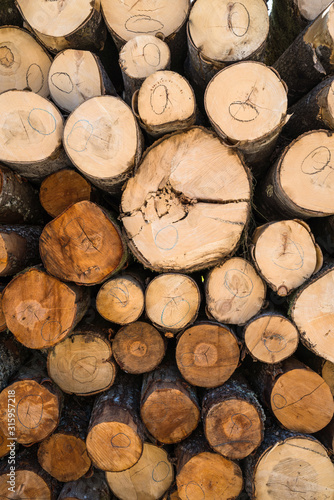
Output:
x,y
87,487
18,248
9,14
12,356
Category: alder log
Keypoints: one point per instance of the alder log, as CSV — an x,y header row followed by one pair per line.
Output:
x,y
116,433
62,25
18,248
94,487
148,479
75,76
31,129
169,406
24,63
82,364
12,356
94,137
179,217
83,244
207,354
40,310
233,419
234,292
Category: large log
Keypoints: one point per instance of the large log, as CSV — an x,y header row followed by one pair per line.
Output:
x,y
94,138
176,217
62,25
82,364
169,406
234,292
83,244
148,479
75,76
94,487
18,248
31,131
207,354
40,310
24,63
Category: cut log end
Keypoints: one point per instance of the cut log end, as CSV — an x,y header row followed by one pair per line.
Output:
x,y
29,485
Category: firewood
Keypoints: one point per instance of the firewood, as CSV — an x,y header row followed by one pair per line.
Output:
x,y
94,138
233,419
246,104
94,487
12,356
138,347
82,364
299,183
59,25
148,479
285,254
24,62
164,103
234,292
9,14
220,33
83,245
36,401
19,202
312,310
169,406
172,301
140,57
75,76
204,474
115,435
271,337
61,189
18,248
31,129
207,354
180,218
121,299
299,398
40,310
63,454
309,58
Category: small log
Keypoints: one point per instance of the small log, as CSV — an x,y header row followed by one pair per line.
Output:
x,y
234,292
233,419
19,202
203,474
63,455
172,301
3,325
182,219
18,248
138,347
308,60
24,63
40,310
207,354
94,138
121,299
164,103
33,402
61,189
75,76
148,479
94,487
31,131
220,33
115,435
12,356
140,57
299,183
9,14
246,104
169,406
285,254
271,337
313,312
59,25
82,364
83,245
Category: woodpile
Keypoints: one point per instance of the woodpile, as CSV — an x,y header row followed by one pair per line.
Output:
x,y
166,250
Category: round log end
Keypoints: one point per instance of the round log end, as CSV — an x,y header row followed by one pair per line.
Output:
x,y
29,485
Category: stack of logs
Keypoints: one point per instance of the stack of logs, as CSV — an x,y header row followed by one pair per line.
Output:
x,y
167,313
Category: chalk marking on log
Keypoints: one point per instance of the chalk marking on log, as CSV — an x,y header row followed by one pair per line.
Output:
x,y
77,125
28,75
177,304
230,24
229,285
138,19
51,131
20,404
60,74
163,463
127,443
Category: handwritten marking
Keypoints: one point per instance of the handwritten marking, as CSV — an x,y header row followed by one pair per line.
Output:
x,y
63,82
289,248
238,283
26,419
84,369
120,441
194,490
152,58
114,292
35,74
159,99
238,14
279,401
316,161
177,301
160,471
143,23
32,120
79,136
51,330
271,338
172,235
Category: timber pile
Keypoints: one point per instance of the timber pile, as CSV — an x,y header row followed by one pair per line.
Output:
x,y
166,250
